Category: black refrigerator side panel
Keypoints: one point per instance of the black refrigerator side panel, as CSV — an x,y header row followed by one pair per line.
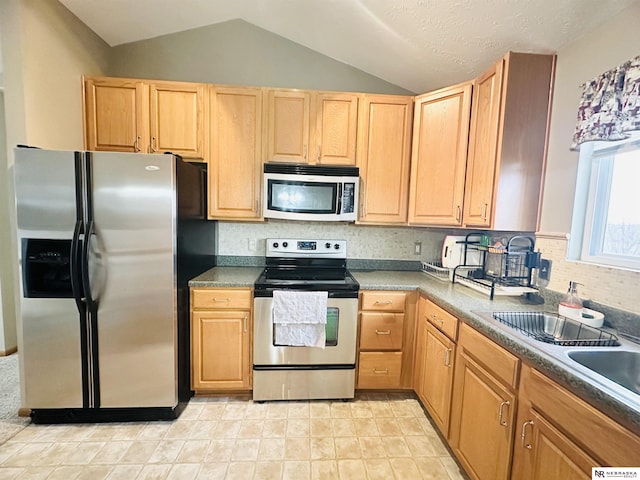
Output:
x,y
196,249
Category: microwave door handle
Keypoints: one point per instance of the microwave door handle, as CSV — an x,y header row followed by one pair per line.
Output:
x,y
339,209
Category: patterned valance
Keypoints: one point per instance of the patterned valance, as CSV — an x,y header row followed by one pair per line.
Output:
x,y
610,105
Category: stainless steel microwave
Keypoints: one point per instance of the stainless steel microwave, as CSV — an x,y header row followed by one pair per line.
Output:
x,y
311,192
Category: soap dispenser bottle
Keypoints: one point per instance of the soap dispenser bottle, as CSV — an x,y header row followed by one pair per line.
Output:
x,y
571,303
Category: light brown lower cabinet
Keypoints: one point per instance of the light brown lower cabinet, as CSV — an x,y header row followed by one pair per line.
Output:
x,y
507,420
435,358
385,346
562,436
221,329
484,405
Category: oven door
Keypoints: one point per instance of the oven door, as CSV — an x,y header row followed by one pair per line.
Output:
x,y
340,347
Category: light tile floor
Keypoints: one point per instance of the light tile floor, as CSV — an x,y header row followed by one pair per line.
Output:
x,y
376,436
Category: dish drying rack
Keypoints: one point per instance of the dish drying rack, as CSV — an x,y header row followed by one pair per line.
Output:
x,y
561,332
435,268
505,270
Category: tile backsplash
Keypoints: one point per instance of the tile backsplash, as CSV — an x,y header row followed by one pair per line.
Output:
x,y
614,287
363,242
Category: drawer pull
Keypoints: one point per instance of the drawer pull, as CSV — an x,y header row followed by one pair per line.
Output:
x,y
523,435
383,372
383,332
221,299
383,302
506,403
436,319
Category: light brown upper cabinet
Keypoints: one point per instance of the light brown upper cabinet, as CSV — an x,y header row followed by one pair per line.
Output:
x,y
439,156
178,118
235,166
312,127
384,152
507,143
116,115
129,115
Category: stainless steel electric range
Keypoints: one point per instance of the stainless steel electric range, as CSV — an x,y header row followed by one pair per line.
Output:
x,y
284,371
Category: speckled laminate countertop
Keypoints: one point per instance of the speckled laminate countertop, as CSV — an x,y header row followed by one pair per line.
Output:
x,y
469,305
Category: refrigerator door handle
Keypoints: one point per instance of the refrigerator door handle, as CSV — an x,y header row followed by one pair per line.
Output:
x,y
75,261
86,282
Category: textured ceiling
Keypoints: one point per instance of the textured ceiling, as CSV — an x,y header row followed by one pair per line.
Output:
x,y
416,44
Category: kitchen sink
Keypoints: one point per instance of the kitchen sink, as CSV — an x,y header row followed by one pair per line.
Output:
x,y
555,329
621,367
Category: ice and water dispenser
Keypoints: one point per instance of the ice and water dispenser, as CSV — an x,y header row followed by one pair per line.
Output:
x,y
46,268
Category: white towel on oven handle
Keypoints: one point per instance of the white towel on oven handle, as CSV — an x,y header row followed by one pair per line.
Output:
x,y
300,318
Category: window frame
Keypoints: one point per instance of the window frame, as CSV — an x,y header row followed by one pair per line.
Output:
x,y
591,203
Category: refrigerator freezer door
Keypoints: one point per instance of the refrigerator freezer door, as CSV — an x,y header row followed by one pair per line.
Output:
x,y
50,354
132,265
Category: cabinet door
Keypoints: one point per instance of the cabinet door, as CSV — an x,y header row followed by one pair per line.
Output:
x,y
544,452
384,153
178,118
439,156
220,349
335,119
438,376
116,115
289,113
483,147
235,167
482,421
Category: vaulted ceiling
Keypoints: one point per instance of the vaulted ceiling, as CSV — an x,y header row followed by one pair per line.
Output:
x,y
414,44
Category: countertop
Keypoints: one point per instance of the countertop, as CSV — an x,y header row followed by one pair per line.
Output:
x,y
469,305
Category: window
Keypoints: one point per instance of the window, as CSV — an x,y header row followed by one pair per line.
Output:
x,y
606,218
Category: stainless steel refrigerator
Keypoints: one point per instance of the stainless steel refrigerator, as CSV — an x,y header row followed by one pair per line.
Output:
x,y
107,243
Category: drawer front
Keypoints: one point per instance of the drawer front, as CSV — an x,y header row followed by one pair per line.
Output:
x,y
221,298
385,301
381,331
496,359
379,369
442,320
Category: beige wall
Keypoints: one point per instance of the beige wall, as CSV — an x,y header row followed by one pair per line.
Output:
x,y
238,53
597,51
46,49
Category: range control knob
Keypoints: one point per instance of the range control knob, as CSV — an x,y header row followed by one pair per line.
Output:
x,y
285,244
275,245
337,246
327,245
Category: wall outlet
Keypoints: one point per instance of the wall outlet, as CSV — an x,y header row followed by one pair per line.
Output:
x,y
417,249
544,272
252,244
